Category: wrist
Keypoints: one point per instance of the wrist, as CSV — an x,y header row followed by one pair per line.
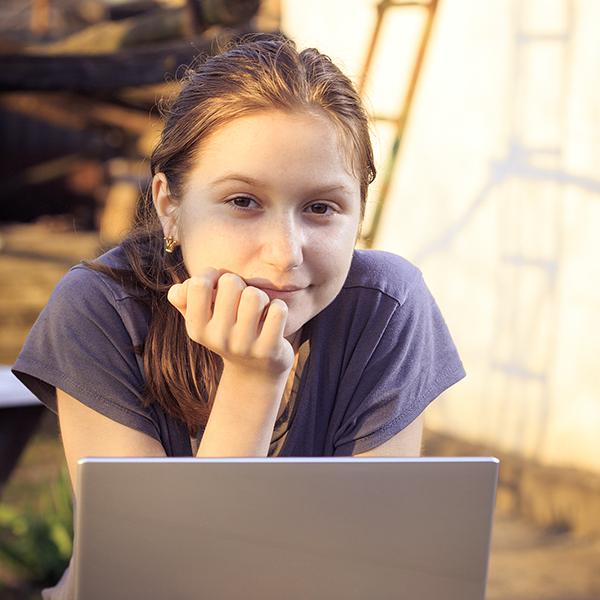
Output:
x,y
247,401
247,391
247,375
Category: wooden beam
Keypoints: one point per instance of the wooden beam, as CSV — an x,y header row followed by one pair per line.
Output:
x,y
78,113
105,72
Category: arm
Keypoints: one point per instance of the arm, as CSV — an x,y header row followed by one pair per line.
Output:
x,y
233,429
411,361
245,328
242,426
405,443
247,398
86,432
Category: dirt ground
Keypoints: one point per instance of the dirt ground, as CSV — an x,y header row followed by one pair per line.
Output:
x,y
32,260
526,563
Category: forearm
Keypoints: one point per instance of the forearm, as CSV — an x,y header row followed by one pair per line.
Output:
x,y
243,415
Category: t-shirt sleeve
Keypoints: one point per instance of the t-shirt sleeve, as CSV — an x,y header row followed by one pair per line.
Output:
x,y
81,345
412,360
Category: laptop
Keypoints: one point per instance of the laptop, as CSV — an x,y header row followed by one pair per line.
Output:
x,y
293,528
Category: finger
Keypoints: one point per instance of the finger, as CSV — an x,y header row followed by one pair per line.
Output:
x,y
251,309
177,296
273,325
229,290
199,299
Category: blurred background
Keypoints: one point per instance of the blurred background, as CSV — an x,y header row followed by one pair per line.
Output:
x,y
486,126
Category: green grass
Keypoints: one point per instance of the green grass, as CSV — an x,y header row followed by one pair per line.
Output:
x,y
36,517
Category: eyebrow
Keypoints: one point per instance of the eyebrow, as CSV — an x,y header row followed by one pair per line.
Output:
x,y
255,182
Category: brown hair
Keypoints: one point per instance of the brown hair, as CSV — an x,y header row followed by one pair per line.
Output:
x,y
259,72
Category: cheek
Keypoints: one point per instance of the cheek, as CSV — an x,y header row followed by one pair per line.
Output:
x,y
332,254
213,245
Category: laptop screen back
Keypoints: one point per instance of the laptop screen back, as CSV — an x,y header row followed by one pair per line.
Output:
x,y
304,528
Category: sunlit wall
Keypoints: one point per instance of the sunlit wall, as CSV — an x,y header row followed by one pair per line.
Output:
x,y
496,197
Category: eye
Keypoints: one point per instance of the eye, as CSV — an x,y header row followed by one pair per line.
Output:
x,y
240,202
321,209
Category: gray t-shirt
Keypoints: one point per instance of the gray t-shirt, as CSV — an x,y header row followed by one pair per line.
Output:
x,y
379,354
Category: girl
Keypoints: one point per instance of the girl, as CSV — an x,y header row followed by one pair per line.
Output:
x,y
237,319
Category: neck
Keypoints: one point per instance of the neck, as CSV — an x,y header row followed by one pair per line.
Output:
x,y
294,339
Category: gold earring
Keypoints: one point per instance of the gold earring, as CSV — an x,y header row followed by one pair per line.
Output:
x,y
170,243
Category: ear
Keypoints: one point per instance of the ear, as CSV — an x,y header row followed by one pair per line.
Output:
x,y
165,205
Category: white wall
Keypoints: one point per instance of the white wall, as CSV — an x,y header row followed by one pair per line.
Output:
x,y
496,197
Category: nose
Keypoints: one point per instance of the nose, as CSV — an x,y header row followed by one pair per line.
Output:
x,y
283,241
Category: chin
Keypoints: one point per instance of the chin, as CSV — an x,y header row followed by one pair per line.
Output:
x,y
292,326
304,310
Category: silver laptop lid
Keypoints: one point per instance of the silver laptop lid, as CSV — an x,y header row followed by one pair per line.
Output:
x,y
294,528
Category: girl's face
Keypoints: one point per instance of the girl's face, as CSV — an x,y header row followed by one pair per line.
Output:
x,y
271,199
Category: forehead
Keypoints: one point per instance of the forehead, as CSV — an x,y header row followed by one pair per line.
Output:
x,y
275,146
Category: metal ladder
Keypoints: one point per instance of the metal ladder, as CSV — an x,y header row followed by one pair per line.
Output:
x,y
399,121
523,345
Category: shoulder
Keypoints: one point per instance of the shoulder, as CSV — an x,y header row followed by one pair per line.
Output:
x,y
382,272
84,281
379,287
90,298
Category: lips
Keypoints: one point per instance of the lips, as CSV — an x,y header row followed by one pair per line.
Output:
x,y
283,294
265,284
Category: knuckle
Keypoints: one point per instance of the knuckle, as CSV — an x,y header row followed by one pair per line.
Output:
x,y
231,280
200,282
253,293
278,306
264,297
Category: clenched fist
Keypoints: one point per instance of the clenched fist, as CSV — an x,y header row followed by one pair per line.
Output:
x,y
237,321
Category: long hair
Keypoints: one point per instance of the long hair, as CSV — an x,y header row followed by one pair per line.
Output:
x,y
257,73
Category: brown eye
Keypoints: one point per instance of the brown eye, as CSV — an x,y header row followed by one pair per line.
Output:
x,y
241,202
320,208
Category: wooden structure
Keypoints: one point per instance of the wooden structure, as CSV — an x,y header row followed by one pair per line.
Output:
x,y
97,87
399,120
99,83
